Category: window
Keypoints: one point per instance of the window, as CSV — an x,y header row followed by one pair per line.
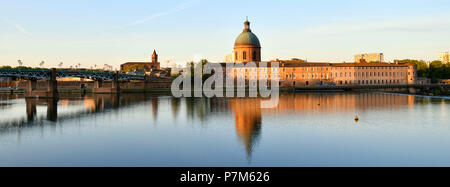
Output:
x,y
244,55
236,55
254,55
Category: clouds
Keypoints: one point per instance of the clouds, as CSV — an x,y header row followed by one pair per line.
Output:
x,y
176,9
18,27
403,26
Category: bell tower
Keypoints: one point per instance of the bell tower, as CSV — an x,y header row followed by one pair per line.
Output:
x,y
154,57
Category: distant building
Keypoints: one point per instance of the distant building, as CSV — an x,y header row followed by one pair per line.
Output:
x,y
293,60
229,58
107,67
444,57
175,70
147,67
371,57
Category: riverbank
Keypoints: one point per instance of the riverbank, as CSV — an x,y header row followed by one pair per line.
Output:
x,y
424,92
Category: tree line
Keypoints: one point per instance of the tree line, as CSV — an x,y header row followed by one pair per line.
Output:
x,y
435,70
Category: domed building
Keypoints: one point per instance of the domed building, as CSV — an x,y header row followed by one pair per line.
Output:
x,y
247,47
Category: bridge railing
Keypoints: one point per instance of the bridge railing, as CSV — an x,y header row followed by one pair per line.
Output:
x,y
45,74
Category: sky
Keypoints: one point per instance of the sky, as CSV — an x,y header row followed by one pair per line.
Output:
x,y
98,32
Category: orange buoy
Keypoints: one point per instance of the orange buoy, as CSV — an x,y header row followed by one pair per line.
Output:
x,y
356,118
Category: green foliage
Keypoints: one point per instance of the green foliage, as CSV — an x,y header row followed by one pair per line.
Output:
x,y
436,69
18,67
437,92
192,65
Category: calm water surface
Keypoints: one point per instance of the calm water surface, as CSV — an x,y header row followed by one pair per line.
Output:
x,y
306,129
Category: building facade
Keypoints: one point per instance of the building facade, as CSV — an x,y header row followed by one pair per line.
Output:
x,y
444,57
313,74
371,57
302,73
146,67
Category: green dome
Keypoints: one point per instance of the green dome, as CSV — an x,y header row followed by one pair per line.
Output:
x,y
247,38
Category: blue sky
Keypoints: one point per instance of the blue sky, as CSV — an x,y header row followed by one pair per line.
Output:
x,y
112,31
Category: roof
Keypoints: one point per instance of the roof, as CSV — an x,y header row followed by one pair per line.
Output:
x,y
368,64
328,64
127,63
247,38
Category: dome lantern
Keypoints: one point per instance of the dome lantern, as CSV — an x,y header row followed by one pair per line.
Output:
x,y
247,37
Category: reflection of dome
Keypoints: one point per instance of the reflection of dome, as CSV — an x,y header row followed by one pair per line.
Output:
x,y
248,122
247,38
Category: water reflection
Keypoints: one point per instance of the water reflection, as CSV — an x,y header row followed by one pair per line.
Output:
x,y
246,112
52,109
92,104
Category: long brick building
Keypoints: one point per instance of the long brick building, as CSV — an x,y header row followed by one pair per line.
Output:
x,y
300,73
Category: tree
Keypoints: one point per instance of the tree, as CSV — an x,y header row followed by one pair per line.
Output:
x,y
436,69
193,65
5,67
422,67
